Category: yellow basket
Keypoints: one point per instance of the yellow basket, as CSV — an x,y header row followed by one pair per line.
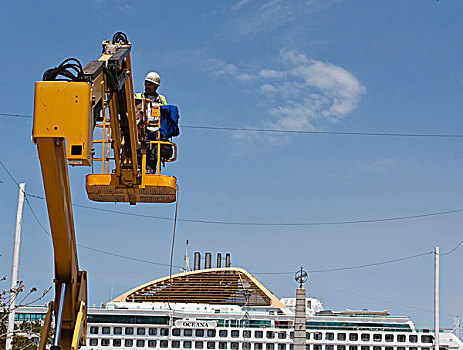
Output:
x,y
157,189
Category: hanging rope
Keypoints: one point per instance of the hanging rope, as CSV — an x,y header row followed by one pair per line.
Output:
x,y
172,249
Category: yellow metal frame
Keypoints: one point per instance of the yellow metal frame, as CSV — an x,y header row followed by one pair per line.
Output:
x,y
45,332
157,114
80,331
156,189
148,188
63,110
63,130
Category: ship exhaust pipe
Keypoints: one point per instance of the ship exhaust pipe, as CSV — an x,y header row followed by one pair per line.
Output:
x,y
208,261
227,260
197,262
219,260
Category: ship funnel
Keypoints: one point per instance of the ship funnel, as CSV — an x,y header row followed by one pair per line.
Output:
x,y
227,260
219,260
197,262
208,262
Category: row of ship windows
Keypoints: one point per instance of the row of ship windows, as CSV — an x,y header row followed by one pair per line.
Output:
x,y
388,337
211,333
187,344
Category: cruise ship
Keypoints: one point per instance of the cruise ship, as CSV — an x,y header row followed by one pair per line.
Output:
x,y
228,308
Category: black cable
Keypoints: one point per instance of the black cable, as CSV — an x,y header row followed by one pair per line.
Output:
x,y
36,218
26,199
267,224
236,223
370,265
346,133
364,265
79,245
451,251
175,223
124,256
16,115
173,233
348,267
112,85
120,37
9,174
349,133
71,69
378,299
99,250
172,249
269,273
283,273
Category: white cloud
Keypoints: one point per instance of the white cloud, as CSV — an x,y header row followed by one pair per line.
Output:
x,y
239,5
341,86
294,57
340,90
126,8
378,165
284,20
268,88
303,93
219,67
254,17
271,73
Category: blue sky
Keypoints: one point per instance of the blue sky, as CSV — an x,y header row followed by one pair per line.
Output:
x,y
349,66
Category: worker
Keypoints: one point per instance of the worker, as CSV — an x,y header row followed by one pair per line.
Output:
x,y
152,82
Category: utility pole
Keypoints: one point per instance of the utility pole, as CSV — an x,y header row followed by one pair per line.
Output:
x,y
436,298
15,267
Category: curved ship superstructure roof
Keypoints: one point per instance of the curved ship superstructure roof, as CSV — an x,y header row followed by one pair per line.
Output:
x,y
226,285
229,309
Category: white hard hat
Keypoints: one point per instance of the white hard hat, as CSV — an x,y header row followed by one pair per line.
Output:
x,y
154,78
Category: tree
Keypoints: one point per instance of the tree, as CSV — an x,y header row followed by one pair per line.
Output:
x,y
22,335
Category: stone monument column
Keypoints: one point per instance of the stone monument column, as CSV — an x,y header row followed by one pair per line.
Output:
x,y
300,314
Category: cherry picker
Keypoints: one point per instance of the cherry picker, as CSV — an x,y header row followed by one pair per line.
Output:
x,y
84,115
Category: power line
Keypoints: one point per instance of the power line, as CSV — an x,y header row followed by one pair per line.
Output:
x,y
313,132
16,115
284,131
218,222
79,245
176,219
285,273
273,273
349,267
364,265
282,273
372,264
238,223
9,174
451,251
25,197
125,256
378,299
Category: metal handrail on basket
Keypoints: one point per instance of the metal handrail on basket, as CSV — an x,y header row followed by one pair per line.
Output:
x,y
156,113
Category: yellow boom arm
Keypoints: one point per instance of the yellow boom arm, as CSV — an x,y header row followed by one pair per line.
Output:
x,y
65,116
